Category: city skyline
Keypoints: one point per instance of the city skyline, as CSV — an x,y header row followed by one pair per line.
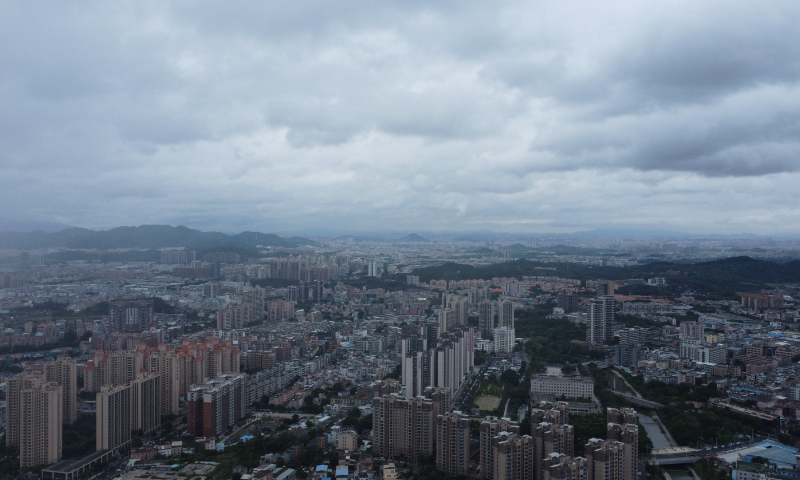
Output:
x,y
402,116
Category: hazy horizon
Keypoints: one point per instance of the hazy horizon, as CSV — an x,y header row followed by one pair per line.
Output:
x,y
602,233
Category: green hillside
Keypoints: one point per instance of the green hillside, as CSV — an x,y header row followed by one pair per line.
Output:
x,y
718,278
144,236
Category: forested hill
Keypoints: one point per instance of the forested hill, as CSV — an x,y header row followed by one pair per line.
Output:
x,y
144,236
718,278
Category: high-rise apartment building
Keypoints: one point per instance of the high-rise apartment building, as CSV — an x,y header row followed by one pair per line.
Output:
x,y
457,303
117,368
452,443
504,339
550,432
568,301
563,467
447,320
177,256
34,419
486,318
130,315
190,364
606,287
40,427
461,307
406,427
692,330
513,457
318,290
249,308
601,320
556,413
145,402
633,337
113,417
623,427
444,364
167,365
214,407
505,313
615,458
64,371
490,428
604,460
212,289
280,310
553,438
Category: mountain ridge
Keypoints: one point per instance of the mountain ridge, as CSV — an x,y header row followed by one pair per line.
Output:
x,y
142,236
413,238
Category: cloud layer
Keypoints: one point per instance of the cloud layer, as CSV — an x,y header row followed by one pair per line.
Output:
x,y
526,116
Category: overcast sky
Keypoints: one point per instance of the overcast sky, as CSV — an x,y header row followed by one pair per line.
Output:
x,y
379,115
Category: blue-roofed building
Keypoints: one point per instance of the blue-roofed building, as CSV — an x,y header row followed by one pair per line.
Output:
x,y
776,453
322,472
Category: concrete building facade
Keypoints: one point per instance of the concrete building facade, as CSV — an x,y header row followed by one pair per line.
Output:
x,y
452,443
64,371
113,417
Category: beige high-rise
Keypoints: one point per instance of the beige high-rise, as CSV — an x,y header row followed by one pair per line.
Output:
x,y
117,368
167,364
64,371
605,460
406,428
113,420
145,402
14,387
562,467
556,413
40,426
452,444
34,419
623,427
490,428
552,438
513,457
403,428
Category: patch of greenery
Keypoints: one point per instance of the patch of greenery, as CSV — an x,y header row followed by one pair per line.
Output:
x,y
707,470
593,425
716,279
603,390
551,338
78,439
690,427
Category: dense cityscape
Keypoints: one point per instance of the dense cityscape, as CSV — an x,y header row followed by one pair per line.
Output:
x,y
388,358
